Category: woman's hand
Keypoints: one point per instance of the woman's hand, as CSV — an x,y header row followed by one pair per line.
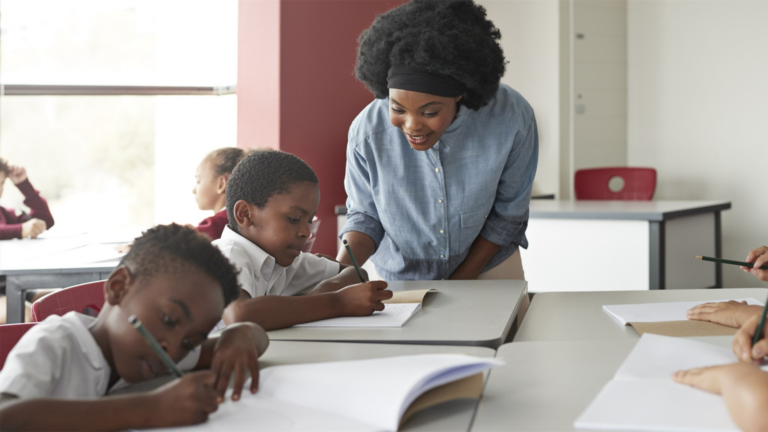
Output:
x,y
758,257
731,313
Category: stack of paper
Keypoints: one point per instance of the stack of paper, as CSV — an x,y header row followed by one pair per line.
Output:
x,y
398,310
643,396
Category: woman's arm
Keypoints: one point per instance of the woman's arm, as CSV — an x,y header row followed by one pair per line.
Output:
x,y
362,246
479,256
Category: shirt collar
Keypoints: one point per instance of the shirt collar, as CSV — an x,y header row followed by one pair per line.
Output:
x,y
85,340
258,257
451,134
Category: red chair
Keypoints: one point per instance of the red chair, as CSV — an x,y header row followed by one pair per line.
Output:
x,y
9,335
313,227
87,298
592,184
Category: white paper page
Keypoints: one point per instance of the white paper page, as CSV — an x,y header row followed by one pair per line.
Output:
x,y
258,413
658,357
393,315
660,312
371,391
655,405
61,232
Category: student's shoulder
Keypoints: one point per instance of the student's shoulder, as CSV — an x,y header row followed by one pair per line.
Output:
x,y
58,333
508,103
371,122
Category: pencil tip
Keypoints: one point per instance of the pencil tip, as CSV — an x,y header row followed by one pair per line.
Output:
x,y
698,257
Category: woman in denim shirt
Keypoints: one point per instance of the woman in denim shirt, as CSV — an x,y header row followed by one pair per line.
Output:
x,y
440,166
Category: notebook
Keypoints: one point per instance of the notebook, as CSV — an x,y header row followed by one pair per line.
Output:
x,y
643,396
669,319
397,311
362,395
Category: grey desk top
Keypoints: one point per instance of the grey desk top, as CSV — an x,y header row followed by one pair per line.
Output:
x,y
622,210
545,386
451,416
461,313
574,316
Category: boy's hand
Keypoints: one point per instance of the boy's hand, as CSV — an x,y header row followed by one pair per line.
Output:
x,y
742,342
185,401
758,258
730,313
17,174
237,351
363,299
712,379
33,228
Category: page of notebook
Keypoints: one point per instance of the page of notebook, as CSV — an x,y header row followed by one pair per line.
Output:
x,y
393,315
659,312
375,391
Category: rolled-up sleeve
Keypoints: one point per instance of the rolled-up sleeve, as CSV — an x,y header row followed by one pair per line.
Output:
x,y
362,214
508,219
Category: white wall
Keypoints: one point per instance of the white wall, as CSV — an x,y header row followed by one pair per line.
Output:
x,y
530,32
698,110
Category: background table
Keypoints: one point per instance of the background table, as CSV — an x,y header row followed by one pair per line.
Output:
x,y
590,245
451,416
460,313
545,386
580,316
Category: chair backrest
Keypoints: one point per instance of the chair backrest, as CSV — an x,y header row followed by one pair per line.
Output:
x,y
87,298
592,184
9,335
313,227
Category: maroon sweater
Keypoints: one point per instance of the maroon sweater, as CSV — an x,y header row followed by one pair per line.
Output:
x,y
10,222
214,225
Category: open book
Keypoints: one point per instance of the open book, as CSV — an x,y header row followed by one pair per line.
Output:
x,y
643,396
362,395
398,310
669,319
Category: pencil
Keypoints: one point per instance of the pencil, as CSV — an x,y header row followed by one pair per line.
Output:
x,y
354,261
152,342
759,331
725,261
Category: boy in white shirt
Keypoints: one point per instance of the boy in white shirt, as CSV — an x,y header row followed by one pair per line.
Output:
x,y
272,197
178,285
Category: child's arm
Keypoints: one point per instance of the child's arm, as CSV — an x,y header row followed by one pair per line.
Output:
x,y
32,199
185,401
730,313
276,312
758,257
744,388
346,277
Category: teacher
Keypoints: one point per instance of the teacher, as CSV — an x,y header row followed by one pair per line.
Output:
x,y
440,166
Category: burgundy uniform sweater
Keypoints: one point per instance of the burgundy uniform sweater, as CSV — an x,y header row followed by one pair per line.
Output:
x,y
10,222
214,225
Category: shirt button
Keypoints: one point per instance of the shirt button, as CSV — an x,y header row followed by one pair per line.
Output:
x,y
486,216
440,201
442,232
437,170
442,278
442,256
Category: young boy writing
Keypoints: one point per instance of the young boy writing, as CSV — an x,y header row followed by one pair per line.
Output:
x,y
178,285
211,179
272,197
23,225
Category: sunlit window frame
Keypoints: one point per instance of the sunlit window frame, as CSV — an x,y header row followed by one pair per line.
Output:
x,y
111,90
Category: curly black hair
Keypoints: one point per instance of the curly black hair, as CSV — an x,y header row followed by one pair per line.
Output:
x,y
263,174
173,248
447,37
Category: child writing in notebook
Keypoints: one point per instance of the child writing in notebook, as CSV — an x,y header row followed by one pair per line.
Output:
x,y
23,225
272,197
178,285
211,179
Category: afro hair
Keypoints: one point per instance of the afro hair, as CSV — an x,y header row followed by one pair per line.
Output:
x,y
446,37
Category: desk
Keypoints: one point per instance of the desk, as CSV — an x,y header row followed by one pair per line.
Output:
x,y
476,313
545,386
580,316
451,416
642,244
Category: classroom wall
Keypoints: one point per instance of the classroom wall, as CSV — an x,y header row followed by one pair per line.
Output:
x,y
698,110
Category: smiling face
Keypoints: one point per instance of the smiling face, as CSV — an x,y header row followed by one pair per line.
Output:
x,y
178,308
282,227
422,117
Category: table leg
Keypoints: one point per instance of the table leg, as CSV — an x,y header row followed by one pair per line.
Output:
x,y
718,250
657,276
14,308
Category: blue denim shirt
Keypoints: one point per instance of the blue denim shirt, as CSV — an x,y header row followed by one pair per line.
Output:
x,y
424,209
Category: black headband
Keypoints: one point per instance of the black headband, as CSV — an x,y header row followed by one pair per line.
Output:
x,y
410,78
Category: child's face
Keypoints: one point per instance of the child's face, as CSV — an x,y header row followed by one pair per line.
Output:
x,y
207,189
178,309
282,227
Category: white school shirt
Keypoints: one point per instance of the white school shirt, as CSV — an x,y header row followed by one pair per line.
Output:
x,y
260,275
59,358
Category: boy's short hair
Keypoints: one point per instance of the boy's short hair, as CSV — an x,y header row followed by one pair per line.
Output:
x,y
263,174
4,168
224,160
173,248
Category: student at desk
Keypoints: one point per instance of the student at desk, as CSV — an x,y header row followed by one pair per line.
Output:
x,y
440,166
210,189
23,225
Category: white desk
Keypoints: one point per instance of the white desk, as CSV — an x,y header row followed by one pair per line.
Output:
x,y
545,386
451,416
590,245
461,313
580,316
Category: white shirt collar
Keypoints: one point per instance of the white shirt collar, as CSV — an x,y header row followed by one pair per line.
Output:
x,y
258,257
